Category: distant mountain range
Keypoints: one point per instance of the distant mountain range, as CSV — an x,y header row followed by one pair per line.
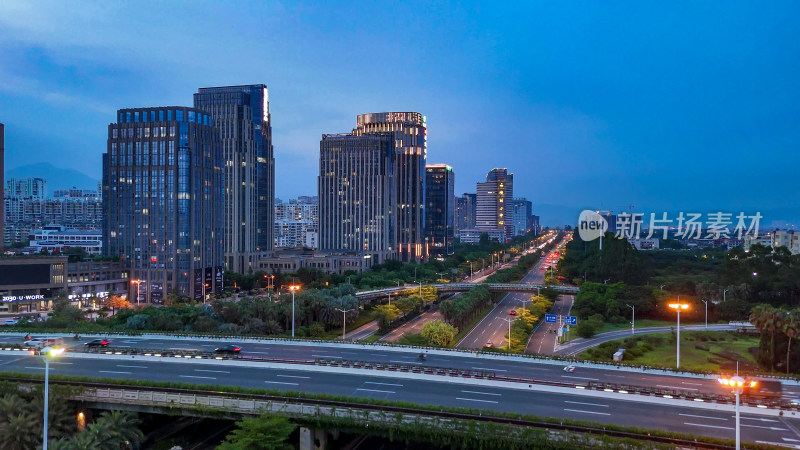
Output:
x,y
57,178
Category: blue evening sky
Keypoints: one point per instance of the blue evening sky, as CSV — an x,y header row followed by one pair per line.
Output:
x,y
663,105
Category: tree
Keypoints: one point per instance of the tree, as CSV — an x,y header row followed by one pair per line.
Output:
x,y
791,328
438,333
266,432
116,303
385,314
767,318
122,427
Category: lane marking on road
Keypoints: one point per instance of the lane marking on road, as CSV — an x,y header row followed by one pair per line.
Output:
x,y
282,382
702,417
383,384
37,368
59,362
376,390
114,371
757,418
211,371
122,346
403,362
676,387
587,412
483,393
790,439
131,367
475,400
293,376
328,356
708,426
580,378
693,384
182,348
582,403
765,428
258,353
492,370
198,377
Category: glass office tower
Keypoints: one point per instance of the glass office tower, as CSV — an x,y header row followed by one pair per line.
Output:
x,y
241,115
493,211
440,209
163,201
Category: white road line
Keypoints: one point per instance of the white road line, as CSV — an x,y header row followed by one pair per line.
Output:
x,y
211,371
293,376
376,390
328,356
180,348
475,400
579,378
702,417
258,353
589,404
707,426
122,346
37,368
114,371
790,440
282,382
196,376
58,362
676,387
757,418
491,370
482,393
403,362
765,428
693,384
383,384
132,367
587,412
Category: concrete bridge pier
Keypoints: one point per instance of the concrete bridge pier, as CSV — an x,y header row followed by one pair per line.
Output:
x,y
313,439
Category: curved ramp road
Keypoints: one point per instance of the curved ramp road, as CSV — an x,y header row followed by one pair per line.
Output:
x,y
578,345
596,406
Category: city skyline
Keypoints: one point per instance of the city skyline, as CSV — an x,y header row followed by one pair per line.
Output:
x,y
625,106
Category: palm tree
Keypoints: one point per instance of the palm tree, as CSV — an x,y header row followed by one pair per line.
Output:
x,y
121,426
791,328
766,318
12,405
15,433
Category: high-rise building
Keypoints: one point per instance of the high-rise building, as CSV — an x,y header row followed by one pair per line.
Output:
x,y
297,222
356,195
493,206
465,212
372,188
242,117
523,212
26,188
163,201
439,209
410,137
2,183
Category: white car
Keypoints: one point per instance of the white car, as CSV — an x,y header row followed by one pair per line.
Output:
x,y
569,369
10,322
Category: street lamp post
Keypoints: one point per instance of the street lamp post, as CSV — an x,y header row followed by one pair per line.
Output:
x,y
344,319
293,288
138,283
633,318
724,291
706,304
509,330
737,384
523,305
678,307
47,353
606,281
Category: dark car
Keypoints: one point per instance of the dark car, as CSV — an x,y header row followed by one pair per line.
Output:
x,y
228,349
98,343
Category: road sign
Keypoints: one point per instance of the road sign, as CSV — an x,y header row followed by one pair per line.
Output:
x,y
570,320
550,318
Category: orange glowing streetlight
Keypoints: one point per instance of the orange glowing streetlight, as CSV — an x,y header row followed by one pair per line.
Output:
x,y
679,307
138,284
293,288
737,385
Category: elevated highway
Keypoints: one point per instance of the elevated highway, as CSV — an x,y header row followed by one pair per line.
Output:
x,y
463,287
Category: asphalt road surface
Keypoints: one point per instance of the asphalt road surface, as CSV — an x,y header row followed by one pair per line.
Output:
x,y
780,430
545,337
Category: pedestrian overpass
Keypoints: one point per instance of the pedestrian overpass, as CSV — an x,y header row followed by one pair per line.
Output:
x,y
463,287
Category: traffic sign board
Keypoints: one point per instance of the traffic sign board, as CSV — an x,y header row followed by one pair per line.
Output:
x,y
570,320
549,318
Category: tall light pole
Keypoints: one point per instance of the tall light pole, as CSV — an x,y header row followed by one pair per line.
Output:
x,y
509,330
138,283
633,318
724,291
344,319
293,288
737,385
47,353
678,307
706,303
523,305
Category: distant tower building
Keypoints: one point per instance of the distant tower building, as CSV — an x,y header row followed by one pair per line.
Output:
x,y
241,115
523,212
439,209
2,183
26,188
163,201
493,209
383,216
465,212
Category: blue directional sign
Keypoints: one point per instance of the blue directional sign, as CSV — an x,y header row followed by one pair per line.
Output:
x,y
570,320
550,318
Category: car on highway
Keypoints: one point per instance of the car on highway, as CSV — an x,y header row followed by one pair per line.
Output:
x,y
9,322
512,313
228,349
542,268
569,369
488,344
97,343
